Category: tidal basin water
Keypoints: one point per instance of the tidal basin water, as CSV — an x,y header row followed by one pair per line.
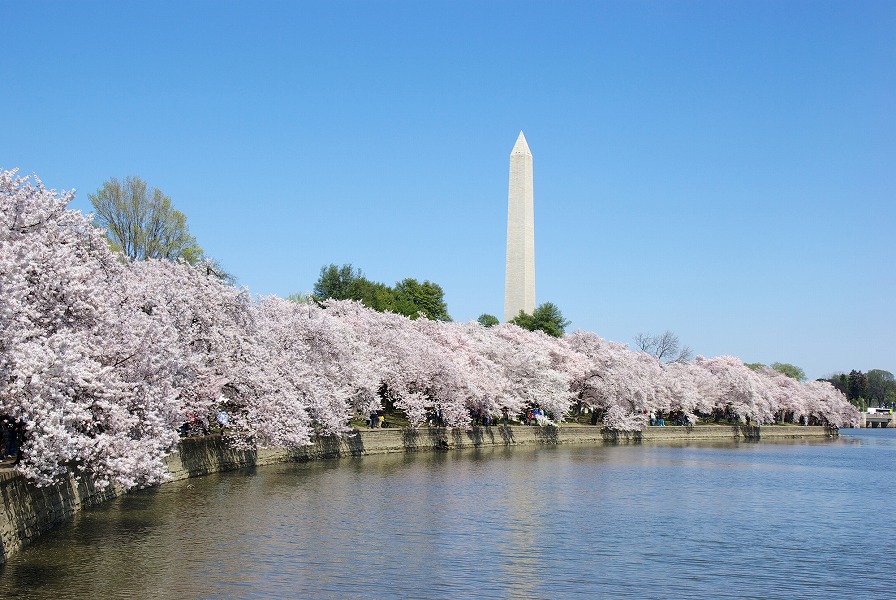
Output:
x,y
743,520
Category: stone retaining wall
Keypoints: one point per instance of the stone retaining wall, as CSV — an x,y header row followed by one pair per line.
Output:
x,y
27,511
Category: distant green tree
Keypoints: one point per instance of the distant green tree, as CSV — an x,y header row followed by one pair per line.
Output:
x,y
339,283
378,296
487,320
857,386
547,318
142,223
881,384
409,297
413,298
839,381
755,366
791,371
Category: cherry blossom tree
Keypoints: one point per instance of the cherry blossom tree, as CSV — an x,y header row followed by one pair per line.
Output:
x,y
745,391
211,322
620,382
87,376
534,368
321,363
689,388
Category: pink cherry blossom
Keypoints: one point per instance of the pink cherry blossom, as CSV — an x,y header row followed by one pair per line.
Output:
x,y
103,360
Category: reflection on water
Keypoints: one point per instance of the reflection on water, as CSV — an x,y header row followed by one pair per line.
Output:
x,y
664,521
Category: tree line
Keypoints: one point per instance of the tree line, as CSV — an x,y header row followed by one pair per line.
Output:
x,y
877,387
105,358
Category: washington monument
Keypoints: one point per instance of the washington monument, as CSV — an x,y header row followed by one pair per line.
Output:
x,y
519,281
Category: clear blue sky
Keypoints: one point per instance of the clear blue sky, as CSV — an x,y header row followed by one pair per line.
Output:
x,y
726,170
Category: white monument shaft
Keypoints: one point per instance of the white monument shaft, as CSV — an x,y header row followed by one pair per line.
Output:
x,y
519,282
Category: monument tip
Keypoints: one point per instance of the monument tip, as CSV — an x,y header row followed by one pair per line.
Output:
x,y
521,146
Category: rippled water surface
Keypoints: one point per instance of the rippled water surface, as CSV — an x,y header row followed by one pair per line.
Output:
x,y
747,520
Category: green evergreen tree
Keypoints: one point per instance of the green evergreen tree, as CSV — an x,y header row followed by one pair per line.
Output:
x,y
547,318
487,320
413,298
409,297
857,386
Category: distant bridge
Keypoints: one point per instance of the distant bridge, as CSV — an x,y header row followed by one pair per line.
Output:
x,y
877,419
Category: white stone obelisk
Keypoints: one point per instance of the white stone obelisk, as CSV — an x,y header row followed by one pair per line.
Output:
x,y
519,281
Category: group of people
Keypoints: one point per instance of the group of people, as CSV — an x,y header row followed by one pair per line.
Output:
x,y
195,425
533,416
376,419
486,419
536,416
676,417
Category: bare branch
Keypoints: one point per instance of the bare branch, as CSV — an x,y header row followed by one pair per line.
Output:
x,y
665,347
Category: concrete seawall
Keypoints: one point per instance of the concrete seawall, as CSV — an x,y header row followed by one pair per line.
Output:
x,y
28,511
